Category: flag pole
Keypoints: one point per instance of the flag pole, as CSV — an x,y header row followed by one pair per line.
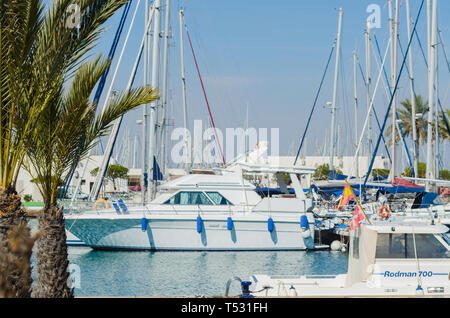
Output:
x,y
357,201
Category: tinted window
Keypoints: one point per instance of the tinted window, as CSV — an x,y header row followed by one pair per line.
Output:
x,y
402,246
191,198
218,198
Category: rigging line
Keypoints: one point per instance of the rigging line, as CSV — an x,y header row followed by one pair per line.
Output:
x,y
392,99
315,102
117,123
345,103
376,117
414,90
221,99
228,93
399,125
206,98
443,49
439,100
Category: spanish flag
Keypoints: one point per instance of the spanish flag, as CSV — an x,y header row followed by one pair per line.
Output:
x,y
347,195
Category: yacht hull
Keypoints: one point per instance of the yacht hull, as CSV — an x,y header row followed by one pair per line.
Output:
x,y
183,233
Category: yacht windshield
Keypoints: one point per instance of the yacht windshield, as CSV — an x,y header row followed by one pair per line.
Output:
x,y
189,198
402,246
217,198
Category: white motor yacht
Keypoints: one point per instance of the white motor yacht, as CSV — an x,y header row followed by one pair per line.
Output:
x,y
399,257
202,212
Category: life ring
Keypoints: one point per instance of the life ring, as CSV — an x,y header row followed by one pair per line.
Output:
x,y
382,209
101,201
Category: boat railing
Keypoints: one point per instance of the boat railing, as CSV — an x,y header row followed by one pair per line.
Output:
x,y
85,206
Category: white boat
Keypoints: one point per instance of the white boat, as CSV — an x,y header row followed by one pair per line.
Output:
x,y
72,240
202,212
402,257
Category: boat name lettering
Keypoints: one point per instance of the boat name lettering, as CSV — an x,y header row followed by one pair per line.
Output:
x,y
408,274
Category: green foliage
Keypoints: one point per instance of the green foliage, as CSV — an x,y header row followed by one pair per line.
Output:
x,y
322,172
380,172
422,166
443,131
285,177
94,171
117,172
114,172
444,174
69,128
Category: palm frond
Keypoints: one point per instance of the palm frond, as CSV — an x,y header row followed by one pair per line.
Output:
x,y
69,128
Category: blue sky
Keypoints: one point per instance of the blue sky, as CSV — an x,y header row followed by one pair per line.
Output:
x,y
269,56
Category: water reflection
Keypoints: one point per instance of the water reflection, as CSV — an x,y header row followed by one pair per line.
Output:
x,y
116,273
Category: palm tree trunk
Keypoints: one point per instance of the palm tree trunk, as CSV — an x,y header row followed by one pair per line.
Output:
x,y
52,277
15,247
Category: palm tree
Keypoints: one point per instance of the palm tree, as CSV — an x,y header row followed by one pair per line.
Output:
x,y
21,99
67,126
38,53
55,149
405,115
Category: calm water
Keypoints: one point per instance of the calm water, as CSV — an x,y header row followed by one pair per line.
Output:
x,y
114,273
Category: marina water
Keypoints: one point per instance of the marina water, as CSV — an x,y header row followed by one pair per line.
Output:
x,y
132,273
123,273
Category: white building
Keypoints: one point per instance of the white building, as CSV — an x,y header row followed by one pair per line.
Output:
x,y
25,186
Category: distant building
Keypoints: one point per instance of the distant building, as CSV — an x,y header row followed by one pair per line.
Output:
x,y
344,163
26,186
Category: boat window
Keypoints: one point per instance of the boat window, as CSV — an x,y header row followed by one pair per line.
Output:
x,y
217,198
402,246
446,237
189,198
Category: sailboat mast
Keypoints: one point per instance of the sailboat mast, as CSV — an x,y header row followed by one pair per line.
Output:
x,y
412,95
115,129
164,126
134,152
187,148
355,97
431,99
154,104
368,91
333,105
394,103
145,112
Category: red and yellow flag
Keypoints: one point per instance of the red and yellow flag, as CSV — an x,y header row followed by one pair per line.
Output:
x,y
347,195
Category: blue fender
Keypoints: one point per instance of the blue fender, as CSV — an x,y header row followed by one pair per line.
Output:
x,y
199,224
229,223
270,225
144,224
304,222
